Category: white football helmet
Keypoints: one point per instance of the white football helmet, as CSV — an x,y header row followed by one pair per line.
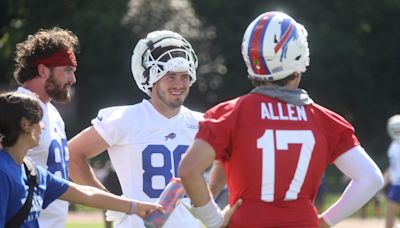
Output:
x,y
393,127
274,46
158,53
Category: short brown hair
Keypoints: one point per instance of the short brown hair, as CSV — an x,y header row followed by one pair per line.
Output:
x,y
281,82
42,44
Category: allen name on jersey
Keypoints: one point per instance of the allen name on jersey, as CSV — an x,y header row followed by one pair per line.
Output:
x,y
285,111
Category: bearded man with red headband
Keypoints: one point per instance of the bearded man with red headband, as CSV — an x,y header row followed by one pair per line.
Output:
x,y
45,68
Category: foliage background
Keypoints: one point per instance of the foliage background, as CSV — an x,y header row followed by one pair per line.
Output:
x,y
354,53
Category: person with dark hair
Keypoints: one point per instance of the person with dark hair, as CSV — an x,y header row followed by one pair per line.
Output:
x,y
45,66
275,143
27,188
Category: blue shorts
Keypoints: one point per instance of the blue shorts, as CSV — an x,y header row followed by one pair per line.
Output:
x,y
393,193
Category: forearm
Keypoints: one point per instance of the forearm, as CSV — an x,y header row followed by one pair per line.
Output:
x,y
94,197
82,147
198,158
82,173
204,206
196,188
217,179
366,181
386,178
350,201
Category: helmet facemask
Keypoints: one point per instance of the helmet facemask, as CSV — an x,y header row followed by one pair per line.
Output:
x,y
159,53
175,59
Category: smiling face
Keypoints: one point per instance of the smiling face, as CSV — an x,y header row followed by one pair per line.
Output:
x,y
58,85
171,90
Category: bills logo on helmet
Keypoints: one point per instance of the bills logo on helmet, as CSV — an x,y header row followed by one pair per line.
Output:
x,y
288,33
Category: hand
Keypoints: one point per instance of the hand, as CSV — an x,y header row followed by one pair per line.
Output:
x,y
322,223
145,209
228,212
115,216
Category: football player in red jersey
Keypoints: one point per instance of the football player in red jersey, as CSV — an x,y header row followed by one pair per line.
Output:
x,y
274,143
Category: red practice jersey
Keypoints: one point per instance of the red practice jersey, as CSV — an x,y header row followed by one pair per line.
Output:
x,y
274,155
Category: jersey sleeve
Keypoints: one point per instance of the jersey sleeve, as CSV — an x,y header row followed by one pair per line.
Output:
x,y
109,124
340,133
344,142
4,196
55,186
216,129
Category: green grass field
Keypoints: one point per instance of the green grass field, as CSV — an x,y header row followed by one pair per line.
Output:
x,y
85,225
93,218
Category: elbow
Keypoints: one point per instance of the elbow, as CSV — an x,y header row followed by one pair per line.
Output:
x,y
75,159
184,171
378,180
187,171
72,170
374,181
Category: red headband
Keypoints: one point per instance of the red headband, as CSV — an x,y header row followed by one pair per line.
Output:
x,y
63,57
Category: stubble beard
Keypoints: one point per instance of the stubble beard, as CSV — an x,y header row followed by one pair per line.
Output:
x,y
176,103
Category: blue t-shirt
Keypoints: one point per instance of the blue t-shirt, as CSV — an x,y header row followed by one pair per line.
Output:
x,y
14,190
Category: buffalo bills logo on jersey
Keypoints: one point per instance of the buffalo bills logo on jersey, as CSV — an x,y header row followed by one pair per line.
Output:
x,y
170,136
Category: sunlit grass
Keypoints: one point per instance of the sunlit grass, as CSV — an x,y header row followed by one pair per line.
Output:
x,y
85,222
96,224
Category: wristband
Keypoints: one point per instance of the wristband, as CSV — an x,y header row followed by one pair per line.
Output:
x,y
133,208
209,214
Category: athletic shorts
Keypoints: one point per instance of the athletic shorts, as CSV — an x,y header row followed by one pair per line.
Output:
x,y
393,193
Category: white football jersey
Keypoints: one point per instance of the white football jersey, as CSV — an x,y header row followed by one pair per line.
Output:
x,y
394,162
51,154
145,149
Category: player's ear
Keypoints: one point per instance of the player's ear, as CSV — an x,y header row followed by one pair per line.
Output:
x,y
25,125
296,74
43,70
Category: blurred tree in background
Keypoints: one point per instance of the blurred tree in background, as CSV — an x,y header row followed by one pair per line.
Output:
x,y
354,52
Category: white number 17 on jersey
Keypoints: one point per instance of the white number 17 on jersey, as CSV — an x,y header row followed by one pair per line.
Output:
x,y
282,138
